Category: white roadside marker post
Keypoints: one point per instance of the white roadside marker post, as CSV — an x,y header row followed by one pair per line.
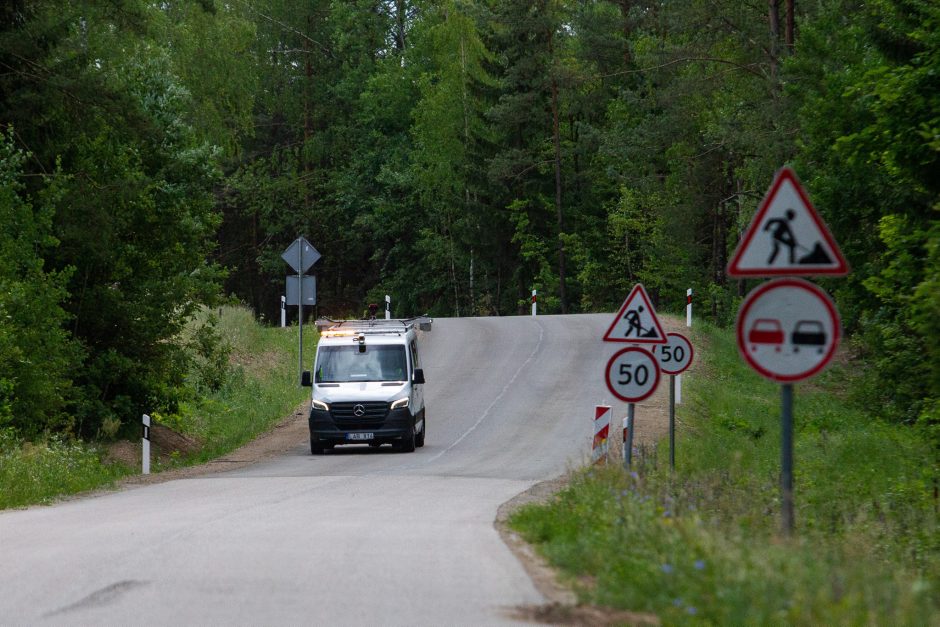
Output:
x,y
283,311
146,444
388,307
534,297
688,323
626,448
628,437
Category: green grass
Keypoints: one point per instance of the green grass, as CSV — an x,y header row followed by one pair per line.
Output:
x,y
257,388
261,388
38,472
702,545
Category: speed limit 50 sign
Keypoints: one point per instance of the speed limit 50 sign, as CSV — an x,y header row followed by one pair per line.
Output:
x,y
675,356
632,374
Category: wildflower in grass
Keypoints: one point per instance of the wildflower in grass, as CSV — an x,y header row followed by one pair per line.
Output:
x,y
691,610
677,602
624,493
699,564
667,568
635,475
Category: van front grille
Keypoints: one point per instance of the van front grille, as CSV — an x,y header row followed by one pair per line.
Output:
x,y
371,414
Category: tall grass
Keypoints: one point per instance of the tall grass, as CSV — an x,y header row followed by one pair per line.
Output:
x,y
702,544
37,472
261,386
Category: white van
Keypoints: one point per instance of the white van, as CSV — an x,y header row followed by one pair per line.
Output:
x,y
367,384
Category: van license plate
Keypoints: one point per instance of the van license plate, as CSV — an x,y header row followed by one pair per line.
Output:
x,y
360,436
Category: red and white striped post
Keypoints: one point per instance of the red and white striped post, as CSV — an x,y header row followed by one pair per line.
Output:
x,y
601,431
534,298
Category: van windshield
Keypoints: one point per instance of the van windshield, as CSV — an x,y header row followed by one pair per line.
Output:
x,y
337,364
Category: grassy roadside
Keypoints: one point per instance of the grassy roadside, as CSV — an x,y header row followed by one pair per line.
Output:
x,y
243,381
702,545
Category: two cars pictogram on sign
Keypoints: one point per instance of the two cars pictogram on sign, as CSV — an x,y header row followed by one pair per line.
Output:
x,y
769,332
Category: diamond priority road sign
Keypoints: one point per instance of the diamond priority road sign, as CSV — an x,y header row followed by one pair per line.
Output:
x,y
788,330
301,252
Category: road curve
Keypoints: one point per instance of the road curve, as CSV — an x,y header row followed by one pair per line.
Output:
x,y
356,536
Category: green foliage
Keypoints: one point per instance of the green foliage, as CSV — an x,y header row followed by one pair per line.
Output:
x,y
36,354
255,384
95,96
455,154
701,544
877,148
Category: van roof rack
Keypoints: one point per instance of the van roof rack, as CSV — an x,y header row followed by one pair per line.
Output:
x,y
379,325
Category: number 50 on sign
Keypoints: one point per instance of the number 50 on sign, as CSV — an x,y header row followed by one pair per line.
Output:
x,y
632,374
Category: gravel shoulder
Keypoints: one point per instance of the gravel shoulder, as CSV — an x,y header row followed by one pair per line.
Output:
x,y
282,437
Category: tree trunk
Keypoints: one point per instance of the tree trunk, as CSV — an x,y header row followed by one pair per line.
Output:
x,y
400,18
308,131
556,140
791,24
774,20
625,29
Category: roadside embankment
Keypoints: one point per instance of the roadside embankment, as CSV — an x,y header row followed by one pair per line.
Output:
x,y
241,385
702,544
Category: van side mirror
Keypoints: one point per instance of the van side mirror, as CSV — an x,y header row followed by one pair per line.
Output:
x,y
418,377
305,379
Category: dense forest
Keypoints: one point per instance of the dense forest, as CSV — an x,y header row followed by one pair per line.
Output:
x,y
156,157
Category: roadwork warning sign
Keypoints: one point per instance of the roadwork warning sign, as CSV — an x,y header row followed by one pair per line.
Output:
x,y
636,322
787,237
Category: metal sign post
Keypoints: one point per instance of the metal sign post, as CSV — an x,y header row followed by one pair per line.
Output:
x,y
786,457
300,256
787,329
628,438
633,373
674,358
300,315
672,422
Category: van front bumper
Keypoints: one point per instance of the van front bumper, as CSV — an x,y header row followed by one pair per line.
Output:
x,y
329,429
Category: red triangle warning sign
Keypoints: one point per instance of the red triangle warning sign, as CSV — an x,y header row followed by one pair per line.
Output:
x,y
636,322
787,236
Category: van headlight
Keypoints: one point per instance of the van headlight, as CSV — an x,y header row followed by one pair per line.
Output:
x,y
400,403
315,404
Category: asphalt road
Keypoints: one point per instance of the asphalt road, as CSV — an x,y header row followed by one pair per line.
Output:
x,y
356,536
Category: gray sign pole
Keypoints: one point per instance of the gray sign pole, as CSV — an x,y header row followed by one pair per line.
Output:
x,y
672,421
300,313
786,457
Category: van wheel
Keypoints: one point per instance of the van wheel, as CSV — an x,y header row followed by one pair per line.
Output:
x,y
408,442
419,439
